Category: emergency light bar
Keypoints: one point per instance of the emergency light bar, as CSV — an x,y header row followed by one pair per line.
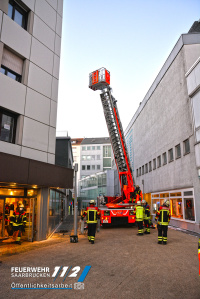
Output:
x,y
99,79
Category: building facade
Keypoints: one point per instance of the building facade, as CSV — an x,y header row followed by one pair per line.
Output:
x,y
163,135
30,41
96,155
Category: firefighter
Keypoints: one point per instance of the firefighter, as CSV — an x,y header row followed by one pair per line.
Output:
x,y
163,216
199,254
18,221
138,194
92,214
139,212
146,216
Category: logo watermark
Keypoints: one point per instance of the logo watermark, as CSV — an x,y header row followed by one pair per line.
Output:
x,y
59,272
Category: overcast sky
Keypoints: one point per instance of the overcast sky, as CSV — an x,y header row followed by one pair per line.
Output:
x,y
131,38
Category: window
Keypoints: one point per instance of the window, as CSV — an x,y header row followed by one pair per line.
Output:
x,y
98,167
98,147
93,167
11,65
154,164
143,169
107,151
150,166
178,151
140,171
8,122
93,157
83,167
84,158
83,148
10,73
88,167
176,208
189,209
88,148
171,155
186,146
159,161
17,14
98,157
93,148
137,172
164,158
146,168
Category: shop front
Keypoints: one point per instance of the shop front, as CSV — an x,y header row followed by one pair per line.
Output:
x,y
182,206
10,199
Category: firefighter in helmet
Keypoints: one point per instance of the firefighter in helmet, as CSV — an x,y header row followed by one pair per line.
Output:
x,y
146,216
18,221
139,213
92,214
163,216
138,194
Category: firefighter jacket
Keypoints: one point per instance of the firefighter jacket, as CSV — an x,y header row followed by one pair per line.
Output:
x,y
18,218
139,212
163,215
92,214
147,212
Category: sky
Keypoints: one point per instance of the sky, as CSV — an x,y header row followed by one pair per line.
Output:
x,y
130,38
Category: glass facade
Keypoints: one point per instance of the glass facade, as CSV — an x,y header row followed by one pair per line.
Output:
x,y
92,186
56,209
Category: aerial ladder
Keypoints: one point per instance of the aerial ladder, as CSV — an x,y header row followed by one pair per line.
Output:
x,y
100,80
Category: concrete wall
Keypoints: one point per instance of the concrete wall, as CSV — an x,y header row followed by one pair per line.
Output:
x,y
164,120
36,97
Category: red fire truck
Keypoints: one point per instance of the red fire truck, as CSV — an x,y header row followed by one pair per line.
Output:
x,y
117,209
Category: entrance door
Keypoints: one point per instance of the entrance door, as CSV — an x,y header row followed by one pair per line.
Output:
x,y
2,217
31,219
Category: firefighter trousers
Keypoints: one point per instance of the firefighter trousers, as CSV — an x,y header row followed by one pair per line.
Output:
x,y
162,233
91,231
146,225
140,227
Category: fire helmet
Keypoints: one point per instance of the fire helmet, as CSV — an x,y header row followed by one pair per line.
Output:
x,y
139,203
166,203
92,202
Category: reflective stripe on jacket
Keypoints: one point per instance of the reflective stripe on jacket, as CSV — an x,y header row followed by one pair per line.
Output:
x,y
163,215
18,219
92,214
139,211
147,212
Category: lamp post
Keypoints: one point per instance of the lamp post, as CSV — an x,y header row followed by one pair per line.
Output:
x,y
74,238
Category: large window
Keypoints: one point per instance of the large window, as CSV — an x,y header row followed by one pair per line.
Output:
x,y
17,14
181,203
11,65
8,122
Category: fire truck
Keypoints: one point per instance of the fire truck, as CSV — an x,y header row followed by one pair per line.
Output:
x,y
118,209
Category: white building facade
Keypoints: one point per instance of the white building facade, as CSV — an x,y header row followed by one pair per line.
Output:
x,y
30,42
163,136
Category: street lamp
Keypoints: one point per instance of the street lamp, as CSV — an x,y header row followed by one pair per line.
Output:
x,y
74,238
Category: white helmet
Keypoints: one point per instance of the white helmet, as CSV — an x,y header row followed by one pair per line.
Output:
x,y
92,202
166,203
143,202
139,203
